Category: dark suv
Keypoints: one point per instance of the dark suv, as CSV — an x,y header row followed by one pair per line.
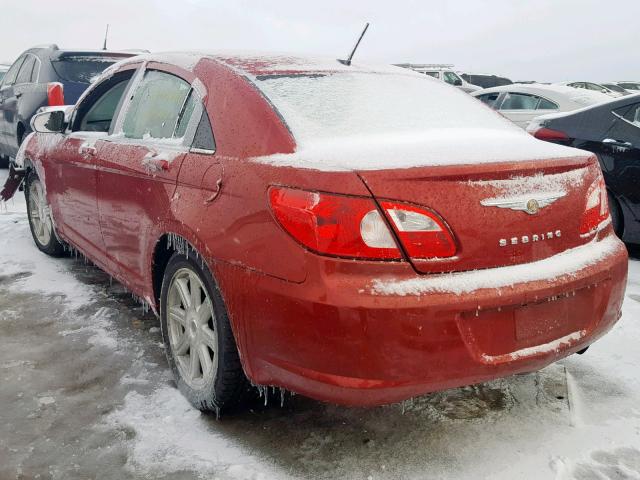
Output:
x,y
40,77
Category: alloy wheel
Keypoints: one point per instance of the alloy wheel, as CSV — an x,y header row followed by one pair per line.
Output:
x,y
40,213
192,330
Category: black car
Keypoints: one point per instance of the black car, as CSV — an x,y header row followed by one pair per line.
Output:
x,y
611,130
486,81
44,76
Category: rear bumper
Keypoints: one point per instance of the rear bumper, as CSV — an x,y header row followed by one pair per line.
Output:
x,y
344,338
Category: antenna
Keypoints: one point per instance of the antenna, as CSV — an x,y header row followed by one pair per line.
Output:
x,y
348,60
106,33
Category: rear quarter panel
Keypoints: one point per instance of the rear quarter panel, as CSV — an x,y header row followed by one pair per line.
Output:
x,y
237,227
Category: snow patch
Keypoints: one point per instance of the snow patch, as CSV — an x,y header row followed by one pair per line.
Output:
x,y
539,183
434,147
565,264
553,346
172,436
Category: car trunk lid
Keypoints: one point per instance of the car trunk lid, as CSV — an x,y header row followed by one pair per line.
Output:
x,y
500,214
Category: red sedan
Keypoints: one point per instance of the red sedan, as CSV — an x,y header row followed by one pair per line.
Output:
x,y
356,234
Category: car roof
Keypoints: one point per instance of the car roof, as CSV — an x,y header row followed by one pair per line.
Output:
x,y
262,64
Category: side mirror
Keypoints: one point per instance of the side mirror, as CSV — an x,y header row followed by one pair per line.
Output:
x,y
49,122
457,82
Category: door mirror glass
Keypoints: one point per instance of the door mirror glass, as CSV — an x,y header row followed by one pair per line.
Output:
x,y
49,122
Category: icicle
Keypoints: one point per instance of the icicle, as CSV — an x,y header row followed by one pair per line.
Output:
x,y
282,392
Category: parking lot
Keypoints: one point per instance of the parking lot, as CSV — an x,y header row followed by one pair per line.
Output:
x,y
87,394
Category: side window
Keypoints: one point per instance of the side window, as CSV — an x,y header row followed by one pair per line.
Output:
x,y
97,111
519,101
547,105
24,75
10,77
101,113
632,115
160,108
203,138
489,98
452,78
432,74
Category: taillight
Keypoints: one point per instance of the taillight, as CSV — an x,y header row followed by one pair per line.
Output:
x,y
353,227
334,224
55,94
596,209
550,135
422,233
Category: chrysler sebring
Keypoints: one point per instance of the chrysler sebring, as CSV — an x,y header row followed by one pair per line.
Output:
x,y
353,233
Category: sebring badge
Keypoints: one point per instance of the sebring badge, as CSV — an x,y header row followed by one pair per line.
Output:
x,y
530,204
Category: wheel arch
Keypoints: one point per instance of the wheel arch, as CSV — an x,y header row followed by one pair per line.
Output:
x,y
165,246
618,205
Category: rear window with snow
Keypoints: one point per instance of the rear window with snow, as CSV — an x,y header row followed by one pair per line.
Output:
x,y
82,68
319,106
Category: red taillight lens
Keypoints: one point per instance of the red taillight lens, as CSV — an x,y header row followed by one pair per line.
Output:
x,y
550,135
596,209
422,233
55,94
353,227
334,224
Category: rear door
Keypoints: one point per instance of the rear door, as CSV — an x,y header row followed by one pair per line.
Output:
x,y
138,171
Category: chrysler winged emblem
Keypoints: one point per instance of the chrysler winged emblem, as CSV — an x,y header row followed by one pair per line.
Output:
x,y
530,203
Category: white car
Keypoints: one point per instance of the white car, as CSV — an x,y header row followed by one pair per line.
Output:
x,y
442,72
630,86
521,103
594,87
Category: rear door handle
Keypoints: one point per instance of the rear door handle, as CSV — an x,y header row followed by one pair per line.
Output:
x,y
87,151
153,164
617,143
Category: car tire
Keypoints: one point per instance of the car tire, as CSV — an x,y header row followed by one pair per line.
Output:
x,y
194,319
40,219
616,215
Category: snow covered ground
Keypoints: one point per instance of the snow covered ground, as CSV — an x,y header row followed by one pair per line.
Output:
x,y
85,393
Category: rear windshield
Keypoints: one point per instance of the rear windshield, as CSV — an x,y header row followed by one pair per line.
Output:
x,y
328,106
81,68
